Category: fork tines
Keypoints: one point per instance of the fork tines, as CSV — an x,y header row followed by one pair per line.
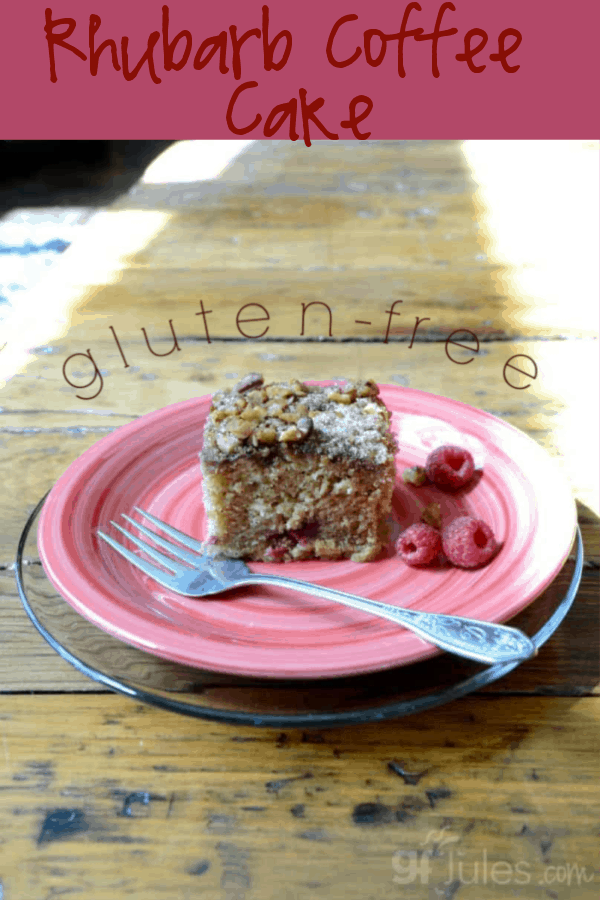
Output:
x,y
175,549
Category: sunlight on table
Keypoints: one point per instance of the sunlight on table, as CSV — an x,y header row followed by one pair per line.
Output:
x,y
102,250
538,219
188,161
96,257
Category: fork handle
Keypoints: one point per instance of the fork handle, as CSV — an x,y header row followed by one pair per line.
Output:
x,y
484,642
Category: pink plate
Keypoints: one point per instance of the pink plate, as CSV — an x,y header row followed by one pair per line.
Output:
x,y
267,632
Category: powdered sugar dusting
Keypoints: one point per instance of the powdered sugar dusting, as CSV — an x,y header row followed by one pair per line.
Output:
x,y
358,430
343,420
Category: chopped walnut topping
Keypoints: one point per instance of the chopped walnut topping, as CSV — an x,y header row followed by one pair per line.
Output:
x,y
304,426
337,397
276,408
253,413
367,388
264,435
299,411
299,388
256,396
432,515
349,389
290,434
416,475
344,419
279,391
249,382
239,427
227,443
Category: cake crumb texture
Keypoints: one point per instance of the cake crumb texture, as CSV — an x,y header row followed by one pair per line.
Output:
x,y
297,471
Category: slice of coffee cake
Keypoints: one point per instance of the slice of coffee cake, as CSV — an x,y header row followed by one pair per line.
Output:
x,y
295,471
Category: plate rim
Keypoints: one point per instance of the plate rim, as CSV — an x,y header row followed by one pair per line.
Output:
x,y
400,709
341,669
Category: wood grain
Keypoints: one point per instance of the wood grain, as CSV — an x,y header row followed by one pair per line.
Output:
x,y
104,798
112,799
557,409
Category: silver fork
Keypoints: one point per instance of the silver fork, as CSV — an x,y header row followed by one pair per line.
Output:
x,y
201,574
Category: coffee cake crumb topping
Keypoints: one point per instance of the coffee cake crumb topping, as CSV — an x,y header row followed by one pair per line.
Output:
x,y
345,419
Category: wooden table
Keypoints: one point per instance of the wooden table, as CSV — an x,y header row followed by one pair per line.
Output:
x,y
494,795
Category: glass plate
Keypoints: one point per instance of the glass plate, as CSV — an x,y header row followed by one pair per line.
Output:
x,y
272,703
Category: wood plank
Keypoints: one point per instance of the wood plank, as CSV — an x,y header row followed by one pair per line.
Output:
x,y
31,462
113,799
444,300
559,409
347,255
409,209
357,250
418,165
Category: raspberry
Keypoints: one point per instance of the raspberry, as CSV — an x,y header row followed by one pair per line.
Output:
x,y
450,467
307,533
419,544
276,553
468,542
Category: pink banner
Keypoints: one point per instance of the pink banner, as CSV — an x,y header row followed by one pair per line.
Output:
x,y
310,70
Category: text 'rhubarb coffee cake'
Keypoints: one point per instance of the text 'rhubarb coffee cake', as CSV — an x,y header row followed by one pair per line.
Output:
x,y
295,471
